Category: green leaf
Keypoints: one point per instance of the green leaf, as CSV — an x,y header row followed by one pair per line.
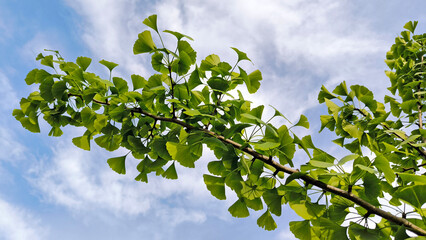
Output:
x,y
109,142
303,122
411,26
241,55
365,168
138,81
210,61
46,90
58,89
358,232
251,191
31,77
171,173
239,209
253,81
118,164
320,164
266,221
216,167
307,210
302,230
179,35
414,195
144,43
217,83
47,61
408,177
194,79
293,176
372,186
109,65
151,22
382,164
120,84
82,142
181,153
29,124
216,186
83,62
273,200
347,159
265,145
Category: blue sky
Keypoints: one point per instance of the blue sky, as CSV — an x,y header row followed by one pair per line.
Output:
x,y
49,189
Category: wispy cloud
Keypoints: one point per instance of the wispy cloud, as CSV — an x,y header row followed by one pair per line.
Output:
x,y
83,182
18,224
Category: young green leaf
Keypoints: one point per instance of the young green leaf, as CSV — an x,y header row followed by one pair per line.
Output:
x,y
109,65
83,62
151,22
266,221
239,209
170,173
118,164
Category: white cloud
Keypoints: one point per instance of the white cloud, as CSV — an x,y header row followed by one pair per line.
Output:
x,y
11,148
18,224
298,45
83,182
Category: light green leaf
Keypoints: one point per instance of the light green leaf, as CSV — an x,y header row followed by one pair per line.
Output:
x,y
179,35
408,177
382,164
138,81
82,142
192,112
265,145
109,65
253,81
144,43
120,84
320,164
216,186
411,26
239,209
83,62
307,210
365,168
303,122
151,22
241,55
347,159
181,153
118,164
266,221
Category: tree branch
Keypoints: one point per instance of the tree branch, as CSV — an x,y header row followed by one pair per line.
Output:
x,y
266,159
309,180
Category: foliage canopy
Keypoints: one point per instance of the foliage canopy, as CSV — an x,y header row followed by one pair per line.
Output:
x,y
168,118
